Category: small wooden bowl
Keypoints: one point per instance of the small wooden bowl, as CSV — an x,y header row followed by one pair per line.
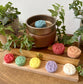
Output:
x,y
50,21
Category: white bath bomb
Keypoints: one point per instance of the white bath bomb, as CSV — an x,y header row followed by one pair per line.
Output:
x,y
69,69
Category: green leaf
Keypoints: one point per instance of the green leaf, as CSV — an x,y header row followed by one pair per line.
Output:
x,y
50,10
14,44
5,20
79,68
63,28
3,33
81,3
66,39
58,23
76,34
63,11
76,5
7,45
9,28
59,13
55,7
0,17
70,6
29,45
1,44
57,4
81,73
80,29
8,13
54,13
61,16
82,36
30,38
76,12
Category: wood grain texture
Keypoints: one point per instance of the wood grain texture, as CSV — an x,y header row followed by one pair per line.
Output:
x,y
41,70
58,59
16,76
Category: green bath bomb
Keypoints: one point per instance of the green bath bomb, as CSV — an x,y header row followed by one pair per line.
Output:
x,y
20,60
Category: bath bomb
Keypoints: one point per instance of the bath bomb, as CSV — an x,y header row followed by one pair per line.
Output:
x,y
20,60
73,52
40,24
8,58
69,69
51,66
58,48
35,62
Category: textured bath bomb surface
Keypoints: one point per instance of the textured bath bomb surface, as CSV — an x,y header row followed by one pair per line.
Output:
x,y
8,58
20,60
58,48
51,66
69,69
40,24
34,62
73,52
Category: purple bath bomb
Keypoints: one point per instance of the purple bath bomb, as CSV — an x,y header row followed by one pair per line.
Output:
x,y
51,66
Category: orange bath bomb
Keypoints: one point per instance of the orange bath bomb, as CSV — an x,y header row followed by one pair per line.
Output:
x,y
73,52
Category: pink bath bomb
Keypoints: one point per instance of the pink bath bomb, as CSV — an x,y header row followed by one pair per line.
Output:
x,y
58,48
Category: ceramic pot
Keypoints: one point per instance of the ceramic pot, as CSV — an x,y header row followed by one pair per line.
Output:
x,y
43,37
50,22
43,40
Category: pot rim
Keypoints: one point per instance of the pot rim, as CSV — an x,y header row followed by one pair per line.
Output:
x,y
43,27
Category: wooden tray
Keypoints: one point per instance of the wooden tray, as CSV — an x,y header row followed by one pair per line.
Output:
x,y
58,74
41,70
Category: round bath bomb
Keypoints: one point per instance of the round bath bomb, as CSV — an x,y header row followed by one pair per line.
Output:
x,y
20,60
40,24
8,58
73,52
58,48
69,69
51,66
35,62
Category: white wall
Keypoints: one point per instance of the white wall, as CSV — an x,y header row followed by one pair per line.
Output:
x,y
33,7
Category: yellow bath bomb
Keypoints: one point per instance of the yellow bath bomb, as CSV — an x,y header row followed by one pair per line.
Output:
x,y
35,62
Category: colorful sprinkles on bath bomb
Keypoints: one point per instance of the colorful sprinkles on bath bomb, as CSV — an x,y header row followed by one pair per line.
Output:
x,y
20,60
8,58
51,66
40,24
35,62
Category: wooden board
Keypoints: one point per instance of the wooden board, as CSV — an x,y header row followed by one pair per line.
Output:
x,y
45,56
59,59
10,75
41,70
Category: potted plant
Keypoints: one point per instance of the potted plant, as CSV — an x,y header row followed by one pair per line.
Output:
x,y
9,16
58,13
43,37
77,5
10,28
21,41
3,34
